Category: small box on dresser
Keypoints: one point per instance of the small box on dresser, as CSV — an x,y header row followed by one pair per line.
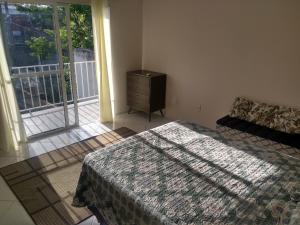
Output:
x,y
146,91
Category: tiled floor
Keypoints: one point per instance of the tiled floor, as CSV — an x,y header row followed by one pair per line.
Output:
x,y
11,211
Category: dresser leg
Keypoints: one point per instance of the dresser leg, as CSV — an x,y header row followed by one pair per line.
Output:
x,y
161,112
129,110
149,116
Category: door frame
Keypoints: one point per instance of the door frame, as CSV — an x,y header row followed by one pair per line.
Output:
x,y
56,27
60,70
61,64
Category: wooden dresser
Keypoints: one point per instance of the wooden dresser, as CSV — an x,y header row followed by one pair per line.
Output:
x,y
146,91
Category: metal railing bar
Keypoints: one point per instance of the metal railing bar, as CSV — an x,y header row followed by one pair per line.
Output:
x,y
71,87
41,71
76,77
87,79
37,74
95,79
60,103
37,86
22,89
42,65
30,91
49,65
82,82
38,90
46,94
58,86
51,85
92,71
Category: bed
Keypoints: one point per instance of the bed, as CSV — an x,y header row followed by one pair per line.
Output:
x,y
183,173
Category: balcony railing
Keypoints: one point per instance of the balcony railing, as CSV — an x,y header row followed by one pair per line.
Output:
x,y
39,86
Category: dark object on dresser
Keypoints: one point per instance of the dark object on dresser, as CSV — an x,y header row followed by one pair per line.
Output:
x,y
146,91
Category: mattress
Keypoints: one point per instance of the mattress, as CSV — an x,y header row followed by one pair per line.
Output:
x,y
183,173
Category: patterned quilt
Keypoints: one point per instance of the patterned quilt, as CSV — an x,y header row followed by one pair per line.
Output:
x,y
182,173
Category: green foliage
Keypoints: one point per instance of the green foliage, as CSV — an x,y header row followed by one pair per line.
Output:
x,y
81,26
43,45
40,47
40,15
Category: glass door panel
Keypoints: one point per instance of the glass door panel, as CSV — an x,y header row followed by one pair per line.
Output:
x,y
50,54
84,63
40,57
68,62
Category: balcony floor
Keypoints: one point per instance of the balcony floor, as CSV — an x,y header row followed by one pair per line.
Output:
x,y
51,119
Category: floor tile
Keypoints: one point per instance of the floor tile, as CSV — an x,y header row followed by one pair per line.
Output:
x,y
5,161
5,207
5,192
16,215
11,210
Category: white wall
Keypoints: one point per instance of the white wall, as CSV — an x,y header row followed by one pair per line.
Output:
x,y
126,43
215,50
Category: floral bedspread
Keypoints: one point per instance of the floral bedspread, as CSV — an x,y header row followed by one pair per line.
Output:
x,y
182,173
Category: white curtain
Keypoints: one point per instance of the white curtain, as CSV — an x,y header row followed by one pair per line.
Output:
x,y
12,134
101,54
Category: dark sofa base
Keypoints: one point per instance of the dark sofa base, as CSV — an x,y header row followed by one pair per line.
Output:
x,y
292,140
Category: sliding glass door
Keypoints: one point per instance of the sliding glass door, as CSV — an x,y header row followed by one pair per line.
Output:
x,y
41,60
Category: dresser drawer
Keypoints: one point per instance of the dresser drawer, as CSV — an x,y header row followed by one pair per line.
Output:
x,y
138,96
139,82
139,102
138,88
138,92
